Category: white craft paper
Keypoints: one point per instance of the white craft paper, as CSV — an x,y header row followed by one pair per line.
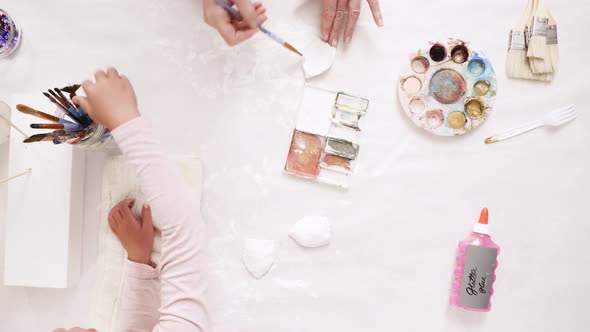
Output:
x,y
318,58
44,208
312,231
258,256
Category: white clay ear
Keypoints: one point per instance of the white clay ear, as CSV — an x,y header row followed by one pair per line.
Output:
x,y
258,256
318,58
312,232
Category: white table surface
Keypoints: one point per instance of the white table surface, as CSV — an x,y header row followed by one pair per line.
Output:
x,y
390,264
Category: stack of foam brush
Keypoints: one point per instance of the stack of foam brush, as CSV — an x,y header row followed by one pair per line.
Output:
x,y
533,53
73,126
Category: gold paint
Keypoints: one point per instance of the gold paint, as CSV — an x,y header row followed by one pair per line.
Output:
x,y
490,140
475,108
291,48
456,120
481,88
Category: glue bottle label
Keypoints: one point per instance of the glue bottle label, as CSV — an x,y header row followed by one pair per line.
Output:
x,y
477,277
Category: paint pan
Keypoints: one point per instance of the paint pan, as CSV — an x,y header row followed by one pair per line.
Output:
x,y
336,163
411,85
417,106
346,118
447,88
352,103
333,177
481,88
342,148
420,64
304,154
437,52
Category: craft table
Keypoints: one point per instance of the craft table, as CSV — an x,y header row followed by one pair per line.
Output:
x,y
413,197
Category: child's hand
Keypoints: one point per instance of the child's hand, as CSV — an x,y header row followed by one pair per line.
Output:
x,y
137,237
232,29
110,101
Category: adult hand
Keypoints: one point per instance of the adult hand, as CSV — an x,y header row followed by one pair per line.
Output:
x,y
335,12
110,100
75,329
234,30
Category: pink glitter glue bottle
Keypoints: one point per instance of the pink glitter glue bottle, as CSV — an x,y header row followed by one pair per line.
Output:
x,y
476,267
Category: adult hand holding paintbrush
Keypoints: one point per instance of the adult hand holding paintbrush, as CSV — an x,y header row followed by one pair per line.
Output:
x,y
234,30
336,15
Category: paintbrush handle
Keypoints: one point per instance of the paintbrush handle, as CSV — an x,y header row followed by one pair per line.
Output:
x,y
13,126
42,115
65,126
65,110
514,132
271,35
16,176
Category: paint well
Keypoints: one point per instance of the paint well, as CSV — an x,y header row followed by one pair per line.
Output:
x,y
459,54
447,86
438,53
481,88
420,65
475,108
352,103
304,154
456,120
434,119
417,106
336,162
476,67
412,85
347,118
341,148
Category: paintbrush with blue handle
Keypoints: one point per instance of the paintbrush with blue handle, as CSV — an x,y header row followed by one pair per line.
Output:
x,y
271,35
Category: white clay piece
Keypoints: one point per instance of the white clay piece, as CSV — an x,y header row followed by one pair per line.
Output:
x,y
258,256
318,58
312,232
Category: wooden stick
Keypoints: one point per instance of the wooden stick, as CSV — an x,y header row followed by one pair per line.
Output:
x,y
13,126
16,176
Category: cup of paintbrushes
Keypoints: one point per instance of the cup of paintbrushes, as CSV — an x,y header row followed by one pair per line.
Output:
x,y
71,124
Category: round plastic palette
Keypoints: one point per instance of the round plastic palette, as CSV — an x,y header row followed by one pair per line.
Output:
x,y
447,88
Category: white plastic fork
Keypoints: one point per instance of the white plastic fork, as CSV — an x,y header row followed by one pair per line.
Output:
x,y
554,118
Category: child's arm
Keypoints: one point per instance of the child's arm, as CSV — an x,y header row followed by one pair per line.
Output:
x,y
111,101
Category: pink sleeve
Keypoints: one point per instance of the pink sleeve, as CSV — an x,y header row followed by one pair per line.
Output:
x,y
182,268
141,298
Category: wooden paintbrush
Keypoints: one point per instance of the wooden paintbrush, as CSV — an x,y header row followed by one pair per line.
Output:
x,y
75,108
64,109
49,137
71,89
65,126
271,35
59,99
39,137
41,115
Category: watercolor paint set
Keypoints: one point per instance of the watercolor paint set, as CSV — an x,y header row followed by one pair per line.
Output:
x,y
324,146
447,88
